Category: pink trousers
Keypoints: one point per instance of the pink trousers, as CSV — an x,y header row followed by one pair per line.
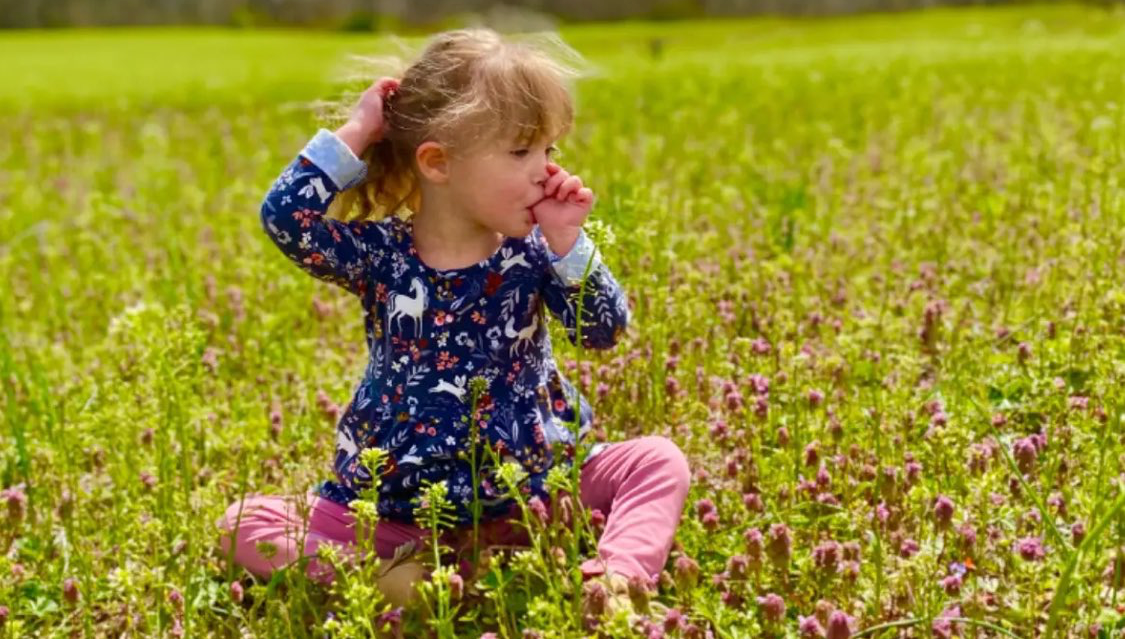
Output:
x,y
640,485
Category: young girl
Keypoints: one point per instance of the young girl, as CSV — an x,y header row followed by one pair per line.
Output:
x,y
460,288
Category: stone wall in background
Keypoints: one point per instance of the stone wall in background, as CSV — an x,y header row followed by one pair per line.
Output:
x,y
395,14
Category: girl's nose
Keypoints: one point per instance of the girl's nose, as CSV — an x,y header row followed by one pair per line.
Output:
x,y
544,173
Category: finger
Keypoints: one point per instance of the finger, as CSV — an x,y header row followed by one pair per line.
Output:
x,y
553,168
572,184
583,196
569,186
554,181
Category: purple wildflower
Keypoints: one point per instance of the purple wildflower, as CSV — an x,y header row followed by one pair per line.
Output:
x,y
687,572
826,556
839,625
780,543
810,628
812,451
738,566
16,500
951,584
538,509
1025,452
70,590
773,607
1078,532
704,506
674,620
1031,548
943,511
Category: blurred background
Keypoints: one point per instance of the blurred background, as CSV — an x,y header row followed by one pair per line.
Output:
x,y
376,15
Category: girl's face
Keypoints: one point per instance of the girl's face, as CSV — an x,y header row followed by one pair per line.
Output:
x,y
499,182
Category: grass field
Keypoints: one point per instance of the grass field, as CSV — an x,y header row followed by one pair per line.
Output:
x,y
877,269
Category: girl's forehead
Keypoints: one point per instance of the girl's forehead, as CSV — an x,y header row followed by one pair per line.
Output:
x,y
540,138
514,136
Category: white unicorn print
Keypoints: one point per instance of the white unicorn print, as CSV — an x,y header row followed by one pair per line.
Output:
x,y
512,260
411,307
523,336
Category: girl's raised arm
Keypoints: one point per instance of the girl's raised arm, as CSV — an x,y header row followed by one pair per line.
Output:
x,y
293,213
293,210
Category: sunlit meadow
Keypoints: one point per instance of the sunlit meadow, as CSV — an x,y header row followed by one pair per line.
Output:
x,y
876,270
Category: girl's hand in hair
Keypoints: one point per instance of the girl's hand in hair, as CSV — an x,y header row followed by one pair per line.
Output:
x,y
366,124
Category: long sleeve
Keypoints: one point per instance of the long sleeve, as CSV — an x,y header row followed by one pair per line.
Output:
x,y
605,311
293,214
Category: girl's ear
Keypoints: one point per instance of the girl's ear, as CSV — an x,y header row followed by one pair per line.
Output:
x,y
433,161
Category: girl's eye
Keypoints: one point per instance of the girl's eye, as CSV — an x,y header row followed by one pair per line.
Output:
x,y
519,153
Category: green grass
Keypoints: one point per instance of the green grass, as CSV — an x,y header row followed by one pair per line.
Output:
x,y
817,184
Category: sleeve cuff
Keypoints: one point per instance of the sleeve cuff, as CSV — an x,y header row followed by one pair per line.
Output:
x,y
331,155
572,266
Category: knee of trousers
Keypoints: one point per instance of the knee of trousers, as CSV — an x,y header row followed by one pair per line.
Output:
x,y
672,459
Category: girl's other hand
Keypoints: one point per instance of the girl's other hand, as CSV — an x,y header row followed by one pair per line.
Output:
x,y
366,124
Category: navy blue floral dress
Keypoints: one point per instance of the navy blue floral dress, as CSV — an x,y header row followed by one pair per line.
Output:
x,y
429,332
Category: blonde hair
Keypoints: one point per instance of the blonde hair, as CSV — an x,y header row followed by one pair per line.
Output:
x,y
468,86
